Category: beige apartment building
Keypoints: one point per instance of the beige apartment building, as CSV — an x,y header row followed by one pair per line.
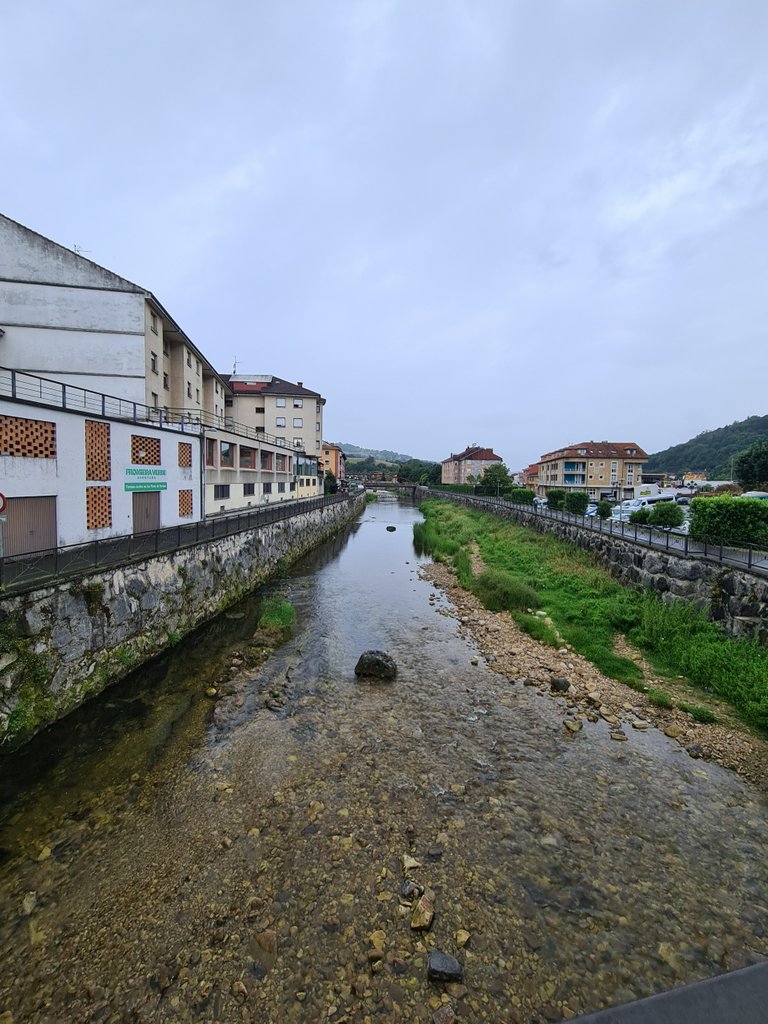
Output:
x,y
289,412
604,469
472,462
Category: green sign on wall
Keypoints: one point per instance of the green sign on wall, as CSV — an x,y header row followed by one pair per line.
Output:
x,y
145,478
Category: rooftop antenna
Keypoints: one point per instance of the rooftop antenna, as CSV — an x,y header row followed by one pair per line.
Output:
x,y
79,250
234,365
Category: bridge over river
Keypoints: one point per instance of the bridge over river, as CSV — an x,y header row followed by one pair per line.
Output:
x,y
169,856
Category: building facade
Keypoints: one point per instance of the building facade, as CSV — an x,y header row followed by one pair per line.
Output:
x,y
604,469
83,341
471,463
333,459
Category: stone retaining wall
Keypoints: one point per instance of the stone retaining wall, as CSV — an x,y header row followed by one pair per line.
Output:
x,y
60,645
735,597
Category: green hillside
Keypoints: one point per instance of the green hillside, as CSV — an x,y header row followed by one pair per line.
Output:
x,y
710,452
352,451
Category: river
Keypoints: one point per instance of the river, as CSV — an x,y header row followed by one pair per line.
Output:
x,y
162,863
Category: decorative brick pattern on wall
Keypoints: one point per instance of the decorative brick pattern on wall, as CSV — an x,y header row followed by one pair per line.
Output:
x,y
98,507
98,461
27,439
185,504
185,455
145,451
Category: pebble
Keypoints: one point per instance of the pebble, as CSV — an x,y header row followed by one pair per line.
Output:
x,y
443,967
462,937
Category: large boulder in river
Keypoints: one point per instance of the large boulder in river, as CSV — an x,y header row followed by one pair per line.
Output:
x,y
376,665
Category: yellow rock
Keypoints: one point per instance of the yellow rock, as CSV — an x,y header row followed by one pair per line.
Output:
x,y
462,938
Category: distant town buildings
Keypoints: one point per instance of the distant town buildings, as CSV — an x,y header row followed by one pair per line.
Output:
x,y
604,469
472,462
112,421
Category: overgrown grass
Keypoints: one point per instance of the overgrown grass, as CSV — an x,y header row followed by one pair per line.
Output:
x,y
587,607
276,613
697,712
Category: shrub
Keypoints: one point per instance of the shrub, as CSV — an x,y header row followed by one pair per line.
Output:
x,y
521,495
463,566
660,698
728,520
576,502
500,591
666,513
555,498
604,509
698,713
640,516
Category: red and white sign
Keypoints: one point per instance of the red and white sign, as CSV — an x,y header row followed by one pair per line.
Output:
x,y
3,503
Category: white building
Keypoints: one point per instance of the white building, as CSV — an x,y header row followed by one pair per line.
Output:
x,y
88,343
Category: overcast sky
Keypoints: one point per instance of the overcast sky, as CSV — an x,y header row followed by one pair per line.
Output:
x,y
521,223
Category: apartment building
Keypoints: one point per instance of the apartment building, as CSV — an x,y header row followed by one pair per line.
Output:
x,y
529,476
472,462
333,459
78,339
275,406
604,469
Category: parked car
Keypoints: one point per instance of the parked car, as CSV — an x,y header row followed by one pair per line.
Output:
x,y
540,502
591,510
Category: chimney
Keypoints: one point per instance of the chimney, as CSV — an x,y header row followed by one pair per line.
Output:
x,y
299,383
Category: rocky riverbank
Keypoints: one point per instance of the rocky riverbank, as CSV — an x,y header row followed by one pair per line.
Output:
x,y
587,694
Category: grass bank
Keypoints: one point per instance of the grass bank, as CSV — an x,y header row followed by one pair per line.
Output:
x,y
554,590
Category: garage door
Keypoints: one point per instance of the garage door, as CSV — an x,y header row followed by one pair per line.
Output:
x,y
30,526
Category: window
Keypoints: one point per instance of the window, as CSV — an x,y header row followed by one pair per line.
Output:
x,y
227,455
189,359
298,442
248,490
298,422
153,361
259,410
279,421
280,403
280,463
153,322
298,403
227,403
266,460
220,491
317,425
210,451
317,445
166,350
247,457
317,407
293,485
327,452
197,395
266,488
166,382
155,400
281,488
197,367
189,390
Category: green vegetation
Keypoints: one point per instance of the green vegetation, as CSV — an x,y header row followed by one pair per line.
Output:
x,y
355,452
370,496
588,608
330,483
711,451
576,502
604,509
520,495
697,712
276,613
728,520
640,516
666,513
555,498
416,471
751,467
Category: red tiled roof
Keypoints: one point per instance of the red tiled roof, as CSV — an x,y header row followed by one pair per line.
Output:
x,y
475,454
597,449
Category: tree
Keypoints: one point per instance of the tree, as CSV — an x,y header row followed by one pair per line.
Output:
x,y
495,479
576,502
604,509
330,482
751,467
666,513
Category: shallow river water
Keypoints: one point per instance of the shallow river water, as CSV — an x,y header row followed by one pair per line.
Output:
x,y
156,866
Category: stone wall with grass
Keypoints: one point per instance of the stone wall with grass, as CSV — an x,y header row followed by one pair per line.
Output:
x,y
736,598
60,645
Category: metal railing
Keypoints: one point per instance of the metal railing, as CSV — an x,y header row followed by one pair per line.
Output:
x,y
28,387
25,572
750,557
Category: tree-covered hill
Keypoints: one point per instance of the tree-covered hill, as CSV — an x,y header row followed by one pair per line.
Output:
x,y
710,452
352,451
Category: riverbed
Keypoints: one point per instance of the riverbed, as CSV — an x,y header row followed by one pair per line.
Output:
x,y
168,857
